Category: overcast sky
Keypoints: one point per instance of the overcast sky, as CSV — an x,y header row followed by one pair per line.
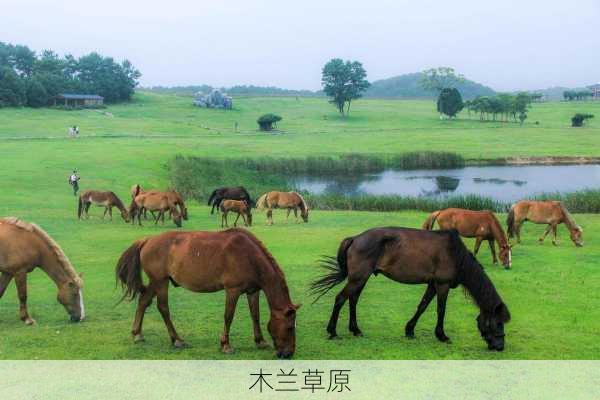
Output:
x,y
508,45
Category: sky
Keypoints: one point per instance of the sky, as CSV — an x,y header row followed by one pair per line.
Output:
x,y
507,45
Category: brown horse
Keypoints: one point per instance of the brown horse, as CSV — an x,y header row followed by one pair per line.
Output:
x,y
543,212
289,200
233,260
436,258
106,199
174,197
25,246
154,202
238,206
481,225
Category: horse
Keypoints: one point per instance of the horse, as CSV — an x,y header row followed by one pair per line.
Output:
x,y
543,212
174,197
436,258
240,207
106,199
289,200
154,201
25,246
482,225
204,262
228,193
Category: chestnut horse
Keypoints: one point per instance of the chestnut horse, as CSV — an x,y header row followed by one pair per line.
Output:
x,y
543,212
228,193
25,246
289,200
238,206
154,201
481,225
106,199
174,196
436,258
233,260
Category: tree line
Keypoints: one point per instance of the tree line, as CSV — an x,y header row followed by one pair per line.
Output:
x,y
503,106
570,95
31,79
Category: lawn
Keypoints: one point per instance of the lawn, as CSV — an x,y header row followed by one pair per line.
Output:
x,y
551,292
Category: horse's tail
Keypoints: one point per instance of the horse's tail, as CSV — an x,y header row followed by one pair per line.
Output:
x,y
510,222
79,207
212,196
430,221
129,271
337,267
136,190
261,203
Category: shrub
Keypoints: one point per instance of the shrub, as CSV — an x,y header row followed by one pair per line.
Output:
x,y
266,121
578,119
450,102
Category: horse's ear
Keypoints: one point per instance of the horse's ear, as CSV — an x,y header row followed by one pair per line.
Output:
x,y
291,310
502,312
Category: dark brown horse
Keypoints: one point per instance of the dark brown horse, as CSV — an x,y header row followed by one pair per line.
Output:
x,y
481,225
237,206
228,193
552,213
233,260
106,199
436,258
288,200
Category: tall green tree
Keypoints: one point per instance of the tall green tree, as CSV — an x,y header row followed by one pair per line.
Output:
x,y
450,102
437,79
344,81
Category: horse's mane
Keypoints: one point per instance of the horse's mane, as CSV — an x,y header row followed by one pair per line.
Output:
x,y
62,258
497,225
472,276
118,201
304,205
570,221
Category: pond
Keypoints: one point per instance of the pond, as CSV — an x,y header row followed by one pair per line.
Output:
x,y
503,183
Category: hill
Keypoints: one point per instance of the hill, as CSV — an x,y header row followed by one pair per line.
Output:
x,y
407,86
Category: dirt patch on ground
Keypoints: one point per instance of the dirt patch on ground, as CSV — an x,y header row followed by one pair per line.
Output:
x,y
550,160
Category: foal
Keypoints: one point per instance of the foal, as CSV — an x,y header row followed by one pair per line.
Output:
x,y
238,206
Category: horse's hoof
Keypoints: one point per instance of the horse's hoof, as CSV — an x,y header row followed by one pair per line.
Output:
x,y
357,333
410,336
443,338
227,349
180,344
262,344
334,336
139,339
29,321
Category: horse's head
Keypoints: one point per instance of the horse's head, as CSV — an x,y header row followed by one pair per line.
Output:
x,y
282,327
577,236
70,295
125,215
184,213
176,217
506,255
491,326
304,214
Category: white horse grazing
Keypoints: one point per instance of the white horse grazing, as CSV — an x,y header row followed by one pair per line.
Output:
x,y
73,131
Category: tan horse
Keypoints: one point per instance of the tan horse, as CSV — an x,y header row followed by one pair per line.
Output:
x,y
106,199
25,246
238,206
154,202
543,212
481,225
174,197
289,200
233,260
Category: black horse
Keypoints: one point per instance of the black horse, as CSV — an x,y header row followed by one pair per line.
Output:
x,y
436,258
228,193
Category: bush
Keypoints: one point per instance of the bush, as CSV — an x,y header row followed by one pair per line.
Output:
x,y
450,102
266,121
578,119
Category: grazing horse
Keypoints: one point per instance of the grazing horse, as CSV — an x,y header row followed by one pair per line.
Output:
x,y
154,201
25,246
543,212
228,193
289,200
106,199
482,225
174,197
436,258
240,207
204,262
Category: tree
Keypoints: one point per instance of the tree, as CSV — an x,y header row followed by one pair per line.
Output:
x,y
344,82
578,119
437,79
266,121
36,94
450,102
12,89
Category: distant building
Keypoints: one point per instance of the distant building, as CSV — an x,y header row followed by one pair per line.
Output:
x,y
595,91
78,100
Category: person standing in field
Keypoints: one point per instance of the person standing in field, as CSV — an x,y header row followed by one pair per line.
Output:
x,y
74,182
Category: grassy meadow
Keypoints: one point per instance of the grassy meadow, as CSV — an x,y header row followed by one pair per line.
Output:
x,y
551,292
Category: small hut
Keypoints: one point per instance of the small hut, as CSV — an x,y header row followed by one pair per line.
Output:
x,y
78,100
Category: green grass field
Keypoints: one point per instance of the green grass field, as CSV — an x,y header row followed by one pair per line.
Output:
x,y
551,292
